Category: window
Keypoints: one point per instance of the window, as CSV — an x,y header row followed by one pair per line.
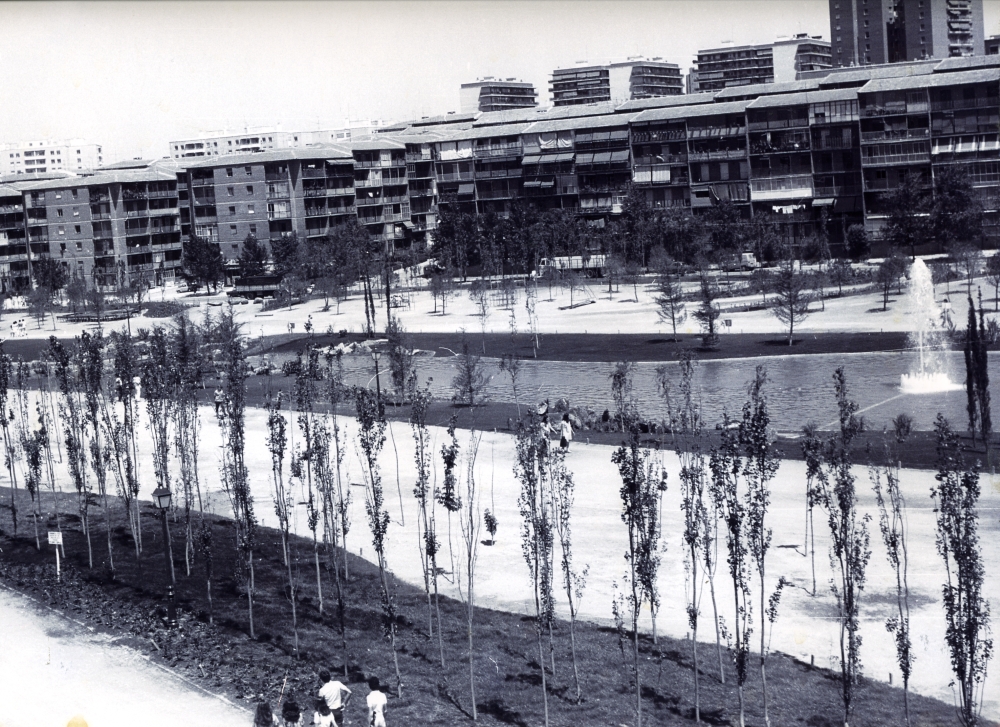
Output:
x,y
236,247
76,229
249,189
232,210
76,211
62,230
230,191
229,171
79,247
76,192
58,195
59,212
249,171
253,229
249,209
232,229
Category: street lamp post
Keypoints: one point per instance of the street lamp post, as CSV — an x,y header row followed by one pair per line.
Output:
x,y
161,497
378,386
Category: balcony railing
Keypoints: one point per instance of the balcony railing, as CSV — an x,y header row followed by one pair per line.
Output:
x,y
891,135
426,156
276,176
371,220
697,156
9,209
157,194
362,201
892,159
343,210
136,213
312,192
370,182
272,216
100,215
421,191
773,188
313,173
965,103
396,216
499,151
161,211
393,181
339,191
205,182
457,177
315,211
832,142
164,228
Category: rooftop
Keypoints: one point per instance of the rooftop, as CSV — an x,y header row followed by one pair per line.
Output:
x,y
983,75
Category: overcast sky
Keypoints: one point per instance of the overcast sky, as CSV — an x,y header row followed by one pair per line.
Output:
x,y
133,76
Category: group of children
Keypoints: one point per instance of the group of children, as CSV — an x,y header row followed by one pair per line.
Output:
x,y
333,699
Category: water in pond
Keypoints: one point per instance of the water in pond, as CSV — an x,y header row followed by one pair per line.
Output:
x,y
800,389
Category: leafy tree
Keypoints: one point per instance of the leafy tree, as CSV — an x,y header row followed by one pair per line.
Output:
x,y
471,379
253,257
76,291
956,215
906,220
531,470
887,275
993,276
469,524
479,294
791,301
9,443
400,353
967,611
849,539
371,437
670,299
841,272
49,274
708,313
977,377
892,523
203,262
285,254
858,244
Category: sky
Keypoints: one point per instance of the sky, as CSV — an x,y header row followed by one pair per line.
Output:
x,y
134,76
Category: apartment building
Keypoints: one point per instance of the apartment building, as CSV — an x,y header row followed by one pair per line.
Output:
x,y
101,225
46,156
778,62
992,45
867,32
252,141
617,82
497,94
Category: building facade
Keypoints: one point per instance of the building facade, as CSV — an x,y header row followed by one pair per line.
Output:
x,y
618,82
496,94
822,150
46,156
778,62
872,32
268,139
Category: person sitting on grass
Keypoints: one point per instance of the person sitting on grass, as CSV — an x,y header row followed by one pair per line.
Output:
x,y
264,717
291,714
376,704
336,696
323,717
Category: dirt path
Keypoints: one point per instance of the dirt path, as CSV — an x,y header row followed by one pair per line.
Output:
x,y
53,668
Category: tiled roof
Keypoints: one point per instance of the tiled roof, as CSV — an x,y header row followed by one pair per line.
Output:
x,y
579,124
374,143
761,89
8,190
445,119
687,112
965,62
929,80
691,99
860,76
319,151
807,97
486,132
113,176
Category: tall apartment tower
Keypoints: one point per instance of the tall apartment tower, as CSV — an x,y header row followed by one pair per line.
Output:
x,y
42,157
621,81
497,94
778,62
867,32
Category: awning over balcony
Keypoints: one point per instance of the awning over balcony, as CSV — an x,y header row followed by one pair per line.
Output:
x,y
531,159
467,189
823,202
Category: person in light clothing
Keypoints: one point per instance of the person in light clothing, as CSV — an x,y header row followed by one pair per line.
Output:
x,y
376,704
565,432
336,695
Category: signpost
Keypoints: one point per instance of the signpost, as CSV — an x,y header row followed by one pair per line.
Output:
x,y
55,538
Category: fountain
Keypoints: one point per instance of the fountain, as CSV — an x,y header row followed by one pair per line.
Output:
x,y
926,335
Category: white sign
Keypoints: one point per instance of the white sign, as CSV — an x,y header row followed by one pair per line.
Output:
x,y
55,539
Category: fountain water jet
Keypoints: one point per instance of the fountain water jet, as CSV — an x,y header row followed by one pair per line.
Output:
x,y
926,313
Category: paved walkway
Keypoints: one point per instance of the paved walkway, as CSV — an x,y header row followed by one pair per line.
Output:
x,y
53,669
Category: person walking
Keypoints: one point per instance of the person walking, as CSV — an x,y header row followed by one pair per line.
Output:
x,y
322,716
565,432
220,399
291,714
336,696
376,704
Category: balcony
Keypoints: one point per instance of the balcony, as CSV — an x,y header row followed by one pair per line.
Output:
x,y
456,177
838,190
309,192
131,214
397,216
893,135
893,159
393,181
362,201
371,219
9,209
157,194
370,182
272,176
965,103
424,156
504,150
339,191
395,199
701,156
162,211
164,228
316,212
313,173
272,216
898,109
203,182
778,188
789,147
831,142
343,210
421,191
100,215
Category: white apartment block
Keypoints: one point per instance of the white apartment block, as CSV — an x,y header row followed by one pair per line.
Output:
x,y
251,141
39,157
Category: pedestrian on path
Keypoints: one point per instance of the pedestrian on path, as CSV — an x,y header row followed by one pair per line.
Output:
x,y
322,716
291,713
220,399
565,432
336,696
376,704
